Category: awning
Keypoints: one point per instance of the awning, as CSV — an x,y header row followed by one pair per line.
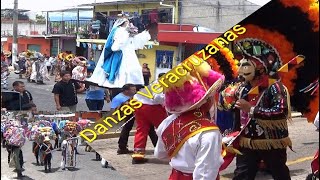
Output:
x,y
173,33
103,41
187,37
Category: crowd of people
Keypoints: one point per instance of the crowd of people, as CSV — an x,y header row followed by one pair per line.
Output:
x,y
41,131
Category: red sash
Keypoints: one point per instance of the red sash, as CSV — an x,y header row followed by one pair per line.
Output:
x,y
184,127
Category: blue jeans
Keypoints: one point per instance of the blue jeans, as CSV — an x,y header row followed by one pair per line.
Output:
x,y
94,105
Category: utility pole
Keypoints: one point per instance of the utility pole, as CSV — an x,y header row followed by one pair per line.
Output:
x,y
15,32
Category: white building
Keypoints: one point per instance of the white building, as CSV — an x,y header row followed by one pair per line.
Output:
x,y
25,28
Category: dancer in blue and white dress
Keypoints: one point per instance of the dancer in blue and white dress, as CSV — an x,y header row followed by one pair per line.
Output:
x,y
118,64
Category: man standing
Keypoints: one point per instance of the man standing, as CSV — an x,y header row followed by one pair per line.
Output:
x,y
25,97
65,93
128,91
95,97
265,136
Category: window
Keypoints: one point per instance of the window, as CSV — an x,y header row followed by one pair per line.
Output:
x,y
54,47
34,47
164,59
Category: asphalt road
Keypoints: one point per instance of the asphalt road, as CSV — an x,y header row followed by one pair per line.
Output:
x,y
303,135
43,97
86,168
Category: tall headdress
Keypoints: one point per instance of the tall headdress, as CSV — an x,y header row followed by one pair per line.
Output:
x,y
192,91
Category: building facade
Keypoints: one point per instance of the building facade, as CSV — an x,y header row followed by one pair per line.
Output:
x,y
30,36
218,15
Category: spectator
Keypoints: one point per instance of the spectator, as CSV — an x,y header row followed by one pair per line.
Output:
x,y
47,64
146,74
23,103
95,97
91,67
128,91
65,93
53,62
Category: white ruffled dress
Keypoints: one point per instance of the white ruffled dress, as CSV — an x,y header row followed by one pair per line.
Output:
x,y
130,70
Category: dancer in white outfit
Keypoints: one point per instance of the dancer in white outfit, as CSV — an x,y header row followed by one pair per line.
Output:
x,y
127,68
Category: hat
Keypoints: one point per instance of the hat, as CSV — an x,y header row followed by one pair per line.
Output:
x,y
46,138
192,91
263,54
78,60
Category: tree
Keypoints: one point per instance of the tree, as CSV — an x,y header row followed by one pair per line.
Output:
x,y
40,18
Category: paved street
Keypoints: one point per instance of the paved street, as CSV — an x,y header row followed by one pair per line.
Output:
x,y
305,143
43,97
86,168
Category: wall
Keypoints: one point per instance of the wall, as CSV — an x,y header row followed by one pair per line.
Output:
x,y
23,44
151,57
68,45
24,28
208,13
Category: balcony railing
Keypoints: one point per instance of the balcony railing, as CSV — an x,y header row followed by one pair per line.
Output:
x,y
68,27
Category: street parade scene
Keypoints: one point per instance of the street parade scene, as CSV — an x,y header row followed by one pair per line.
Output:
x,y
242,104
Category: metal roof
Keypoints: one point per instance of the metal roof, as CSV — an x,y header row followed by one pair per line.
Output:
x,y
117,2
20,10
71,9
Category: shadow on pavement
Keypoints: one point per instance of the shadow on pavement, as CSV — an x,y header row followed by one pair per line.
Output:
x,y
310,143
24,178
52,170
156,161
149,152
35,164
73,169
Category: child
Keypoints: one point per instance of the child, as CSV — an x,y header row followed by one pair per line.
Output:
x,y
46,148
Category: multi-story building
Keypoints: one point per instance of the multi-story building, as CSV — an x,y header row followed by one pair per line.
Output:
x,y
30,33
64,26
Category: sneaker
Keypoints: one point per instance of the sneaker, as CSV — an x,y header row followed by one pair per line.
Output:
x,y
124,151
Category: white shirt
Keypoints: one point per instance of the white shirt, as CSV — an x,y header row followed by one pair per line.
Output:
x,y
200,154
154,100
